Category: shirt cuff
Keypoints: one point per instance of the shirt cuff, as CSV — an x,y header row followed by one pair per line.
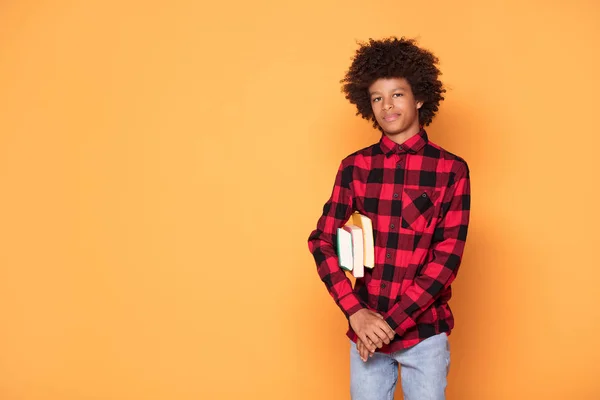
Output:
x,y
350,304
400,327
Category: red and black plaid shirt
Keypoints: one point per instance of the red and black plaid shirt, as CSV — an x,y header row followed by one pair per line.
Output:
x,y
418,198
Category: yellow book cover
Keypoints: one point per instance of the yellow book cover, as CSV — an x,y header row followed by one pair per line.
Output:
x,y
358,269
366,226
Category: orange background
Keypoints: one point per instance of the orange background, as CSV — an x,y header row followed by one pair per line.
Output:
x,y
162,164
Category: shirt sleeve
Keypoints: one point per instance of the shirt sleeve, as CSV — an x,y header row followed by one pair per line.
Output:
x,y
321,242
445,254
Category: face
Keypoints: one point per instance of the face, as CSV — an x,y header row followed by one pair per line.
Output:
x,y
394,106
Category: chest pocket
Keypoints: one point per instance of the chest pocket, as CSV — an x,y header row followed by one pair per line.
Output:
x,y
418,207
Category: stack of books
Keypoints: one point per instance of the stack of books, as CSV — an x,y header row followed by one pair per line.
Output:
x,y
355,247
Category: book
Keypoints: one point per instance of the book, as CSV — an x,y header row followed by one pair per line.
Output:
x,y
366,225
344,249
358,269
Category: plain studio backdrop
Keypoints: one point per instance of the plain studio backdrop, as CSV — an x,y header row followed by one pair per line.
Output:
x,y
163,163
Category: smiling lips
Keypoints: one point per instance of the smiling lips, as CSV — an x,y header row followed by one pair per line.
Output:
x,y
391,117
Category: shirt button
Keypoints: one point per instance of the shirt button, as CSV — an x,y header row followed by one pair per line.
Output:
x,y
383,285
392,226
395,195
424,195
388,255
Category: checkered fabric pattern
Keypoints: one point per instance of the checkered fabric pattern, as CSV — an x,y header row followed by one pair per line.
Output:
x,y
418,198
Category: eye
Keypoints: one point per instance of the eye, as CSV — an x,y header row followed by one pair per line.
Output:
x,y
398,94
376,99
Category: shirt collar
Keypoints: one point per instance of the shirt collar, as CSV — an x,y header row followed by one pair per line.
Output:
x,y
412,145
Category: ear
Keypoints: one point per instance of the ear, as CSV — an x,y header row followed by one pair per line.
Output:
x,y
419,104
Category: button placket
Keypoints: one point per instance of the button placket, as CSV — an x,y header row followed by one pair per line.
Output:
x,y
399,176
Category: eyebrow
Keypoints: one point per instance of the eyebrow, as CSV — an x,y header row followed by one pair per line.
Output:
x,y
395,89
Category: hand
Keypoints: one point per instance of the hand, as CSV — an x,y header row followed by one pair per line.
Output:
x,y
371,329
363,351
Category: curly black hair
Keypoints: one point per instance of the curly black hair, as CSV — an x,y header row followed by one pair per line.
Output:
x,y
394,58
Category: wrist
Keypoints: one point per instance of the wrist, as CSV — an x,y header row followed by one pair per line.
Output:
x,y
357,313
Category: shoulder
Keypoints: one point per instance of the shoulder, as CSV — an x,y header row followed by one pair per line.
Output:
x,y
362,157
357,163
452,162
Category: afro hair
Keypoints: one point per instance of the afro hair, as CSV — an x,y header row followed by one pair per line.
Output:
x,y
394,58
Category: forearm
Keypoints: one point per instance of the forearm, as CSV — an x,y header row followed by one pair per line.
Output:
x,y
321,243
434,278
337,283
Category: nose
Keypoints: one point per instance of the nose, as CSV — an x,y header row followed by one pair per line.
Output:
x,y
387,104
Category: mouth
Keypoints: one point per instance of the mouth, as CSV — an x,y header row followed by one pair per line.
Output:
x,y
391,117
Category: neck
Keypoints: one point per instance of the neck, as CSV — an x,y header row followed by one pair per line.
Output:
x,y
402,137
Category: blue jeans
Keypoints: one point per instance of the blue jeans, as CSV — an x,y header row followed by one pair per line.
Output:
x,y
424,369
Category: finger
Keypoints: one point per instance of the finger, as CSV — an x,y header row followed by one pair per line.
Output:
x,y
388,329
375,341
383,335
362,351
372,348
385,327
365,341
368,344
365,354
378,336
